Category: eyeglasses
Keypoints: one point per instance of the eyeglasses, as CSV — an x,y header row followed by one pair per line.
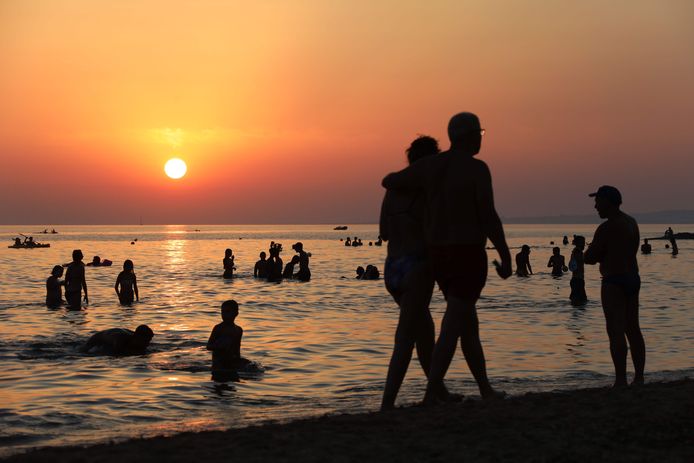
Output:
x,y
482,132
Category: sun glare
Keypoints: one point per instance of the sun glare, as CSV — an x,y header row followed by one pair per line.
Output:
x,y
175,168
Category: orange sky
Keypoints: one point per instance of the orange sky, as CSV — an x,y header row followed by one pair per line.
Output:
x,y
290,112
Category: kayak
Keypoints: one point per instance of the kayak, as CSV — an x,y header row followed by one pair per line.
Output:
x,y
23,246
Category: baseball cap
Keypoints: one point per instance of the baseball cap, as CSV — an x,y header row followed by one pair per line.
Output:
x,y
608,192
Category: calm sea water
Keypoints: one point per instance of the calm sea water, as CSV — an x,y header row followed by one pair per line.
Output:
x,y
324,345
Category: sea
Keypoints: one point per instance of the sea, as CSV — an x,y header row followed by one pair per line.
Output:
x,y
320,347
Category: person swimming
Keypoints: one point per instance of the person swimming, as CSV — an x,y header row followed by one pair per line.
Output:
x,y
98,262
557,262
260,269
304,273
523,267
369,273
646,248
54,294
228,263
120,341
126,284
225,341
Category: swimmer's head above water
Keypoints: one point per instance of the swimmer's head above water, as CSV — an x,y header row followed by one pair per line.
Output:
x,y
77,255
230,310
57,271
142,338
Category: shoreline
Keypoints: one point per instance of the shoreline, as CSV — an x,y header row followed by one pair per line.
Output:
x,y
647,423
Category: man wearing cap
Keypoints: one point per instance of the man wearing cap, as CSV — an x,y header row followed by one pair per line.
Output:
x,y
614,246
461,216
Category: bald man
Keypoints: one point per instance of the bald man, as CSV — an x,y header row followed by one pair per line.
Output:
x,y
461,217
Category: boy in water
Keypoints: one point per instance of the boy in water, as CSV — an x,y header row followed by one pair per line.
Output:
x,y
119,341
75,281
225,340
126,284
523,268
54,294
578,284
260,269
228,263
557,262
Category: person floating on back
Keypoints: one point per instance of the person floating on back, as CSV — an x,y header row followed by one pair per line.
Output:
x,y
578,285
119,341
557,262
646,247
523,267
228,263
461,217
304,273
75,282
225,341
614,247
54,293
126,284
260,269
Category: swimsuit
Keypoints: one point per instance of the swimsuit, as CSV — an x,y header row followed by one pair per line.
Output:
x,y
629,282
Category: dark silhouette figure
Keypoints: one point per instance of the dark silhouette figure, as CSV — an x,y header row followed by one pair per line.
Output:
x,y
75,281
355,242
557,263
18,242
260,269
565,240
673,242
126,284
523,267
578,284
228,263
54,293
289,267
225,343
614,246
348,242
408,276
275,264
369,273
119,341
462,216
646,247
379,241
99,262
304,273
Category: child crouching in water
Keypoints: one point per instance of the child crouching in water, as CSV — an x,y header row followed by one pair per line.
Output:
x,y
54,293
225,342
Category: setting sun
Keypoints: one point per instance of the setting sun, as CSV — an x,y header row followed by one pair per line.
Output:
x,y
175,168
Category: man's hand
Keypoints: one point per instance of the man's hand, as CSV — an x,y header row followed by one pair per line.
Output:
x,y
86,299
504,268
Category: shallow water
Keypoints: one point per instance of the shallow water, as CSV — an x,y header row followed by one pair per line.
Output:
x,y
324,346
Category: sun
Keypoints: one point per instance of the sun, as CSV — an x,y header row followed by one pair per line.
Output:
x,y
175,168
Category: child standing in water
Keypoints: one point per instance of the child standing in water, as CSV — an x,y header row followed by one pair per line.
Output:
x,y
228,263
54,294
557,262
225,340
578,284
75,281
126,284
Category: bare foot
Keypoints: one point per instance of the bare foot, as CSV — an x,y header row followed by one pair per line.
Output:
x,y
638,381
493,394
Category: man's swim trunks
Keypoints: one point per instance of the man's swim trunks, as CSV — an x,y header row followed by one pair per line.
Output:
x,y
460,269
630,283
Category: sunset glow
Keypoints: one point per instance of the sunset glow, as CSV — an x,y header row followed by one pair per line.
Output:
x,y
175,168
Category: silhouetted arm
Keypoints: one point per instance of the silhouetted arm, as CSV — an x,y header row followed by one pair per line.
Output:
x,y
489,219
596,250
383,223
213,339
84,285
137,293
411,177
116,287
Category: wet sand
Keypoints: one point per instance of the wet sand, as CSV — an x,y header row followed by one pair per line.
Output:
x,y
651,423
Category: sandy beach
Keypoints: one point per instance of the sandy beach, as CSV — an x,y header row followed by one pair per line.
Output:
x,y
651,423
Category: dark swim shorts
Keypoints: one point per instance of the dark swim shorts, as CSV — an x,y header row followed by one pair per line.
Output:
x,y
460,269
630,283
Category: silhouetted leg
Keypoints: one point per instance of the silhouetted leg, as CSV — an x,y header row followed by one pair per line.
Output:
x,y
472,346
414,302
426,336
637,345
443,350
614,308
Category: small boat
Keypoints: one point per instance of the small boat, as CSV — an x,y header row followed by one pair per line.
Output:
x,y
340,227
35,245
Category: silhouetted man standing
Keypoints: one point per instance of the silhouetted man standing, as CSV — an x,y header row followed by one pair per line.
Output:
x,y
614,246
461,216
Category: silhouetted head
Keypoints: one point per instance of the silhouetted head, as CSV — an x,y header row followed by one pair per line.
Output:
x,y
421,147
230,310
607,201
525,249
262,255
555,251
298,247
57,271
128,265
360,270
645,241
579,241
465,133
227,253
142,338
96,260
77,255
